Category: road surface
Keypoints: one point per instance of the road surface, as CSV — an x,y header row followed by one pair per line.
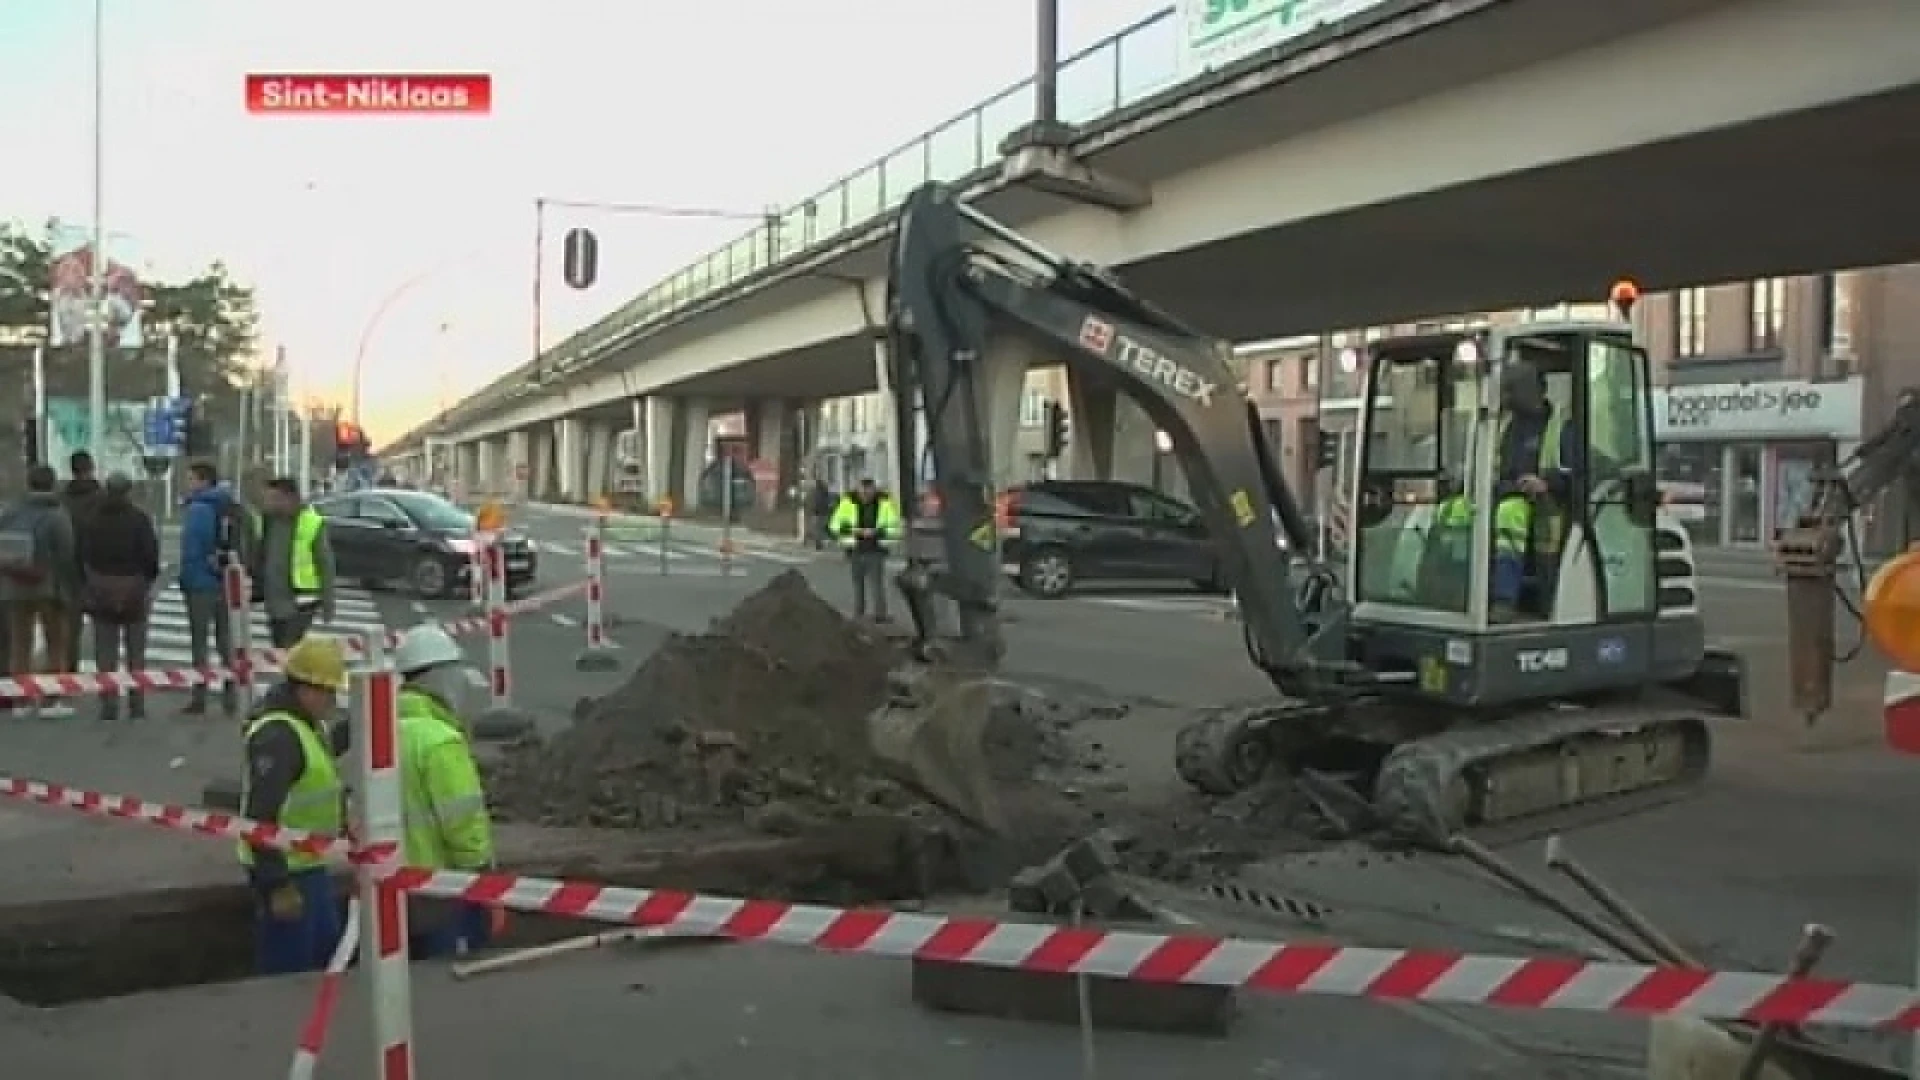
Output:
x,y
1790,829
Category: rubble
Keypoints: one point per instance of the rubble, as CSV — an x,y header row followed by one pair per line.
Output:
x,y
764,712
762,721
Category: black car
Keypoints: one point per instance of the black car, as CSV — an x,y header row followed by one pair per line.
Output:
x,y
390,534
1058,533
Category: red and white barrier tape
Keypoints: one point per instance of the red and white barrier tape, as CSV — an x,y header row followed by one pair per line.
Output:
x,y
182,819
1540,982
83,683
313,1033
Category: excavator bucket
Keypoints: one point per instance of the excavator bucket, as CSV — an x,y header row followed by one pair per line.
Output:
x,y
931,737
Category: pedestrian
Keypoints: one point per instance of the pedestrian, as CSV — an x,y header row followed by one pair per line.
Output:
x,y
213,531
119,554
81,497
293,564
866,522
819,509
291,780
444,804
41,576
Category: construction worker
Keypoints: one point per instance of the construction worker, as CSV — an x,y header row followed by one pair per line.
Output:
x,y
1537,448
447,825
291,780
294,571
865,522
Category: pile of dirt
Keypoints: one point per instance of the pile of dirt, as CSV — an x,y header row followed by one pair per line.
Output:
x,y
766,711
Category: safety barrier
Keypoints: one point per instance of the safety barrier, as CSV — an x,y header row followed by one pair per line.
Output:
x,y
598,655
1434,977
247,662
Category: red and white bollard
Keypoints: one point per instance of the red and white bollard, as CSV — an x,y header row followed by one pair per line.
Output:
x,y
500,720
477,569
379,822
238,678
599,653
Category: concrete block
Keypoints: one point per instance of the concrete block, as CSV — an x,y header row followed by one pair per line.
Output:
x,y
596,660
1025,893
1090,858
1110,898
1047,998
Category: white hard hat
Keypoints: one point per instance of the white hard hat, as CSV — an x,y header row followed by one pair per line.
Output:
x,y
426,646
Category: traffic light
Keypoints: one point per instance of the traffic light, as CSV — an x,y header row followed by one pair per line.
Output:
x,y
580,258
346,443
1327,453
1056,428
188,432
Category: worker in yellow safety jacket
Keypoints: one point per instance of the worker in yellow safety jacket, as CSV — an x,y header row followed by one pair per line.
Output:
x,y
865,522
291,781
1531,490
447,825
292,564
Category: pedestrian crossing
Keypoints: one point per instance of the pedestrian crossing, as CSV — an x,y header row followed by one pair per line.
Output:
x,y
690,557
170,645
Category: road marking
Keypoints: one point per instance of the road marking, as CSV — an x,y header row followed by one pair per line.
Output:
x,y
170,644
563,619
556,549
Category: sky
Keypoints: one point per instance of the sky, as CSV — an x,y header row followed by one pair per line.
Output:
x,y
416,232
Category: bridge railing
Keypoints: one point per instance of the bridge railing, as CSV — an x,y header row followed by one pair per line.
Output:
x,y
1111,74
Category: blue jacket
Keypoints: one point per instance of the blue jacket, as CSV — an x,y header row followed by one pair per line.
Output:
x,y
200,539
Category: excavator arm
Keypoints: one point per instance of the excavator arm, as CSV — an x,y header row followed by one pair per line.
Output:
x,y
950,298
1809,552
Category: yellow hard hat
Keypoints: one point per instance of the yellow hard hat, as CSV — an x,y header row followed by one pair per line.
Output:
x,y
318,660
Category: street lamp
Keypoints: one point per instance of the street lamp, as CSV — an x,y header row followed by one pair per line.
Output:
x,y
97,271
380,313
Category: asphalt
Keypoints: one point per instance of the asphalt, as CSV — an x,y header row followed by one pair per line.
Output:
x,y
1791,828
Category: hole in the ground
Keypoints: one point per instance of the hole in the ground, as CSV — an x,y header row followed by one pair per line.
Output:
x,y
64,953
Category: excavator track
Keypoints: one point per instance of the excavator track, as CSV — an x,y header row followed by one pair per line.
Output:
x,y
1497,779
1540,768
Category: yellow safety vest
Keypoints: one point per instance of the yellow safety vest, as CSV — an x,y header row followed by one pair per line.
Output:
x,y
306,537
846,518
445,807
1513,517
314,802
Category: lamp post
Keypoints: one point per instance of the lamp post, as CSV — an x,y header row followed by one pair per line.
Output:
x,y
97,269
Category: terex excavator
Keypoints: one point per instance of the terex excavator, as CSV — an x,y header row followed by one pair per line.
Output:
x,y
1464,708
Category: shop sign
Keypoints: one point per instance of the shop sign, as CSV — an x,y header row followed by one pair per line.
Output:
x,y
1783,409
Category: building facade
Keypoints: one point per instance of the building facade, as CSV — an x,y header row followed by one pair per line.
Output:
x,y
849,435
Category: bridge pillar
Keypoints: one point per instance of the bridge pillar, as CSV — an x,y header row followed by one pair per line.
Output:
x,y
569,450
1002,383
1111,438
656,438
516,480
599,459
771,434
692,426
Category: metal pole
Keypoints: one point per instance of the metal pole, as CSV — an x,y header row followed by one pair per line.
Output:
x,y
1046,68
306,454
246,412
39,404
539,271
97,286
726,513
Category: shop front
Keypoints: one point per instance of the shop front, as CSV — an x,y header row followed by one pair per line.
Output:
x,y
1736,460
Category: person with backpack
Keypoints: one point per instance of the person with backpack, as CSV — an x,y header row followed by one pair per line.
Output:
x,y
120,561
39,572
81,496
212,532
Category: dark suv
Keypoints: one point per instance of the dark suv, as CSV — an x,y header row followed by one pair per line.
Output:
x,y
1057,533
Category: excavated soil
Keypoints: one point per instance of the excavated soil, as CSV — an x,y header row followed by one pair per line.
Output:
x,y
761,720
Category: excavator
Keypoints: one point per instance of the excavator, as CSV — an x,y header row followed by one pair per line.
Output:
x,y
1469,669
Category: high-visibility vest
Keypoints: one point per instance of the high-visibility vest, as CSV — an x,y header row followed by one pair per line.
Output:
x,y
1513,516
444,805
306,538
314,802
846,518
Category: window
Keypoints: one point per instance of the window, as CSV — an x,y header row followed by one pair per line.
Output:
x,y
1689,322
1836,316
1769,297
338,508
1309,373
1033,408
382,512
1276,379
434,513
1150,506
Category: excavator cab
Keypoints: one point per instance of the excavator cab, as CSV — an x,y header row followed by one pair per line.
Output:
x,y
1507,516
